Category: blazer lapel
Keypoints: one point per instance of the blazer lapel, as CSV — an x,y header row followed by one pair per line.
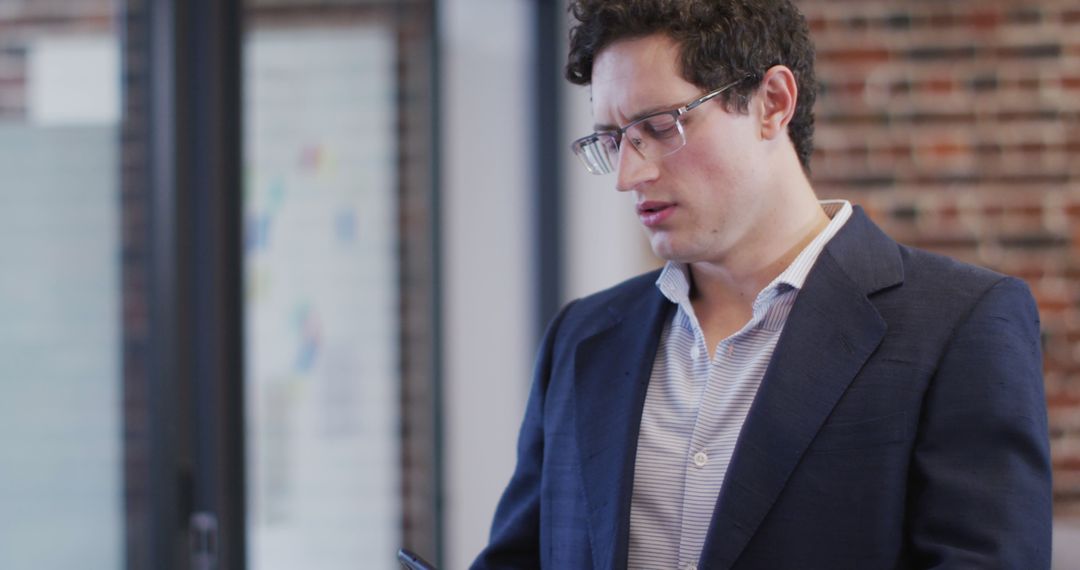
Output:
x,y
831,331
612,367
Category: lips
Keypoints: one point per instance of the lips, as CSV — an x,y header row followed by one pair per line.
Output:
x,y
653,213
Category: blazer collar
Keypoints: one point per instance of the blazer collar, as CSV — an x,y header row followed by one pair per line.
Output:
x,y
612,366
832,330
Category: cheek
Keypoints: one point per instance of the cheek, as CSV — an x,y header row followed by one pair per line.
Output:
x,y
695,169
706,180
716,158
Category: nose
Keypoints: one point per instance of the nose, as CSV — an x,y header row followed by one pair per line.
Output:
x,y
633,169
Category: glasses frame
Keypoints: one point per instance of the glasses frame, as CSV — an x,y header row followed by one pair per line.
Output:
x,y
614,137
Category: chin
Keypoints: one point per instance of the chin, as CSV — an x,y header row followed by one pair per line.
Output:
x,y
668,251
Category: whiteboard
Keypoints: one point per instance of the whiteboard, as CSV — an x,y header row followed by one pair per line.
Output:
x,y
321,299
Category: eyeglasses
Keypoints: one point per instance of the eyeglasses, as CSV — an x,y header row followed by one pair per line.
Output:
x,y
655,136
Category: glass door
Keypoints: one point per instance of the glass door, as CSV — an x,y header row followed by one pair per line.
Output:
x,y
61,332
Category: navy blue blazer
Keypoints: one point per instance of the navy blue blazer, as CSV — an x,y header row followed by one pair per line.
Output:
x,y
901,424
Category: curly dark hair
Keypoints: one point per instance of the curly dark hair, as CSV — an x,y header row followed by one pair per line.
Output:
x,y
720,41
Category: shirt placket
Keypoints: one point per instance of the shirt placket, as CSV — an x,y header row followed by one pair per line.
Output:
x,y
716,430
708,447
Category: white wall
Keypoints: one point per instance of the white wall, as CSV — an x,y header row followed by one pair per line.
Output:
x,y
604,240
488,300
604,243
488,295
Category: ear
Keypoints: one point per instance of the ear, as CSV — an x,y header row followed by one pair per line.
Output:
x,y
779,94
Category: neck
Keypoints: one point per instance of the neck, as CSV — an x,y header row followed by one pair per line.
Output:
x,y
781,234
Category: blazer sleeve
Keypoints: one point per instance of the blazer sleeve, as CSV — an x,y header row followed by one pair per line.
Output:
x,y
980,490
515,531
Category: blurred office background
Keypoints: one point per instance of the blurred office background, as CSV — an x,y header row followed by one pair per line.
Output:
x,y
272,272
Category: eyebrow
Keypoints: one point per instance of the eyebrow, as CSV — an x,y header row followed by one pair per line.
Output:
x,y
644,113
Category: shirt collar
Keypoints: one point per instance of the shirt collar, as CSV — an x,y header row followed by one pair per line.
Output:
x,y
674,280
795,275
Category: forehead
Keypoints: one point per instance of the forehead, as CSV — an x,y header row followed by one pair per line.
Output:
x,y
638,75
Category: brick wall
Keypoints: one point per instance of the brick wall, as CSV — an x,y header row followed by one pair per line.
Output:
x,y
957,126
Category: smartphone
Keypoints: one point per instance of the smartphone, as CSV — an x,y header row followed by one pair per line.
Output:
x,y
412,561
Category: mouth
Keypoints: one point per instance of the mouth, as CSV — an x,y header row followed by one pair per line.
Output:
x,y
653,213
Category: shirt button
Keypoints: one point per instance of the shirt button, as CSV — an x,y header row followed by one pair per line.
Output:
x,y
700,459
695,353
691,567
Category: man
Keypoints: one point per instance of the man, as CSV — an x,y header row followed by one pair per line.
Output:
x,y
794,389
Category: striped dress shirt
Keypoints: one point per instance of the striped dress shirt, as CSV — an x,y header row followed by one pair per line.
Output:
x,y
695,407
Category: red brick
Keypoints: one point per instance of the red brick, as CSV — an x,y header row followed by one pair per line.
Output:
x,y
899,151
1029,273
941,21
985,19
948,149
949,213
1071,16
1071,463
1028,84
856,55
941,86
1053,305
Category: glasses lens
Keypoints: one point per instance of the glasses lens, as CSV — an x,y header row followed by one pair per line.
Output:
x,y
657,136
597,152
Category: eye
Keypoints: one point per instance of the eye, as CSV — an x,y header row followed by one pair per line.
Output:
x,y
660,128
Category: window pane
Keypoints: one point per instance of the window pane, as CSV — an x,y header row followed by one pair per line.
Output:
x,y
60,416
